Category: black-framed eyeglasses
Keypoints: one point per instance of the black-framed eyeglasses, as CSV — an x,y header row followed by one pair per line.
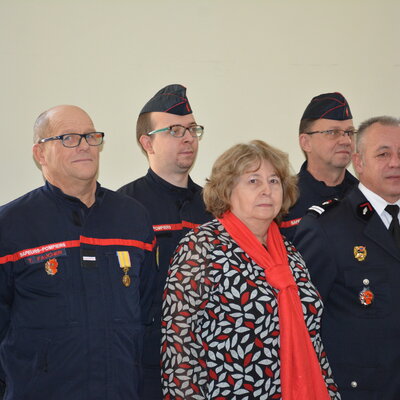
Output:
x,y
74,139
336,133
179,131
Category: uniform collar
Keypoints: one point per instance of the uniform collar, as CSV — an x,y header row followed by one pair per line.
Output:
x,y
73,201
321,187
152,176
378,204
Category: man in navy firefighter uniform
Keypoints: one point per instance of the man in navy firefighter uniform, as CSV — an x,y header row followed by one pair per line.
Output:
x,y
76,272
169,136
351,248
326,137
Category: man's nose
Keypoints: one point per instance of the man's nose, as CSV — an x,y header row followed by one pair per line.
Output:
x,y
395,160
84,145
187,137
345,138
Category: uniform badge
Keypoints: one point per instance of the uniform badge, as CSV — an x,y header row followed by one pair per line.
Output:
x,y
365,210
366,297
125,263
51,266
325,206
360,253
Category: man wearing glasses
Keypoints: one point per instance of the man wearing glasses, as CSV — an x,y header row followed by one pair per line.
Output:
x,y
326,136
169,136
76,273
352,251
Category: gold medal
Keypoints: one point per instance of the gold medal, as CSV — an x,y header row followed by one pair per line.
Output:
x,y
124,263
126,280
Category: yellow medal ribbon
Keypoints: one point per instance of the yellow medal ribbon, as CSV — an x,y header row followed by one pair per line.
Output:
x,y
125,263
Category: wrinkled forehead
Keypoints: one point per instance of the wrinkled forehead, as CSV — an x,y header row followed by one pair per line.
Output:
x,y
325,124
379,135
257,166
69,120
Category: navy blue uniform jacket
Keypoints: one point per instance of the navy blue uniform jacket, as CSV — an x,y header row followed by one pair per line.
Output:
x,y
348,250
69,328
174,211
312,192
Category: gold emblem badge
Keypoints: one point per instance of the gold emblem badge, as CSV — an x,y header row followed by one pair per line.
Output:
x,y
125,263
51,266
360,253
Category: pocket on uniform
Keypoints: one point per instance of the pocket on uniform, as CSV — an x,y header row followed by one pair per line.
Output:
x,y
372,282
25,359
358,378
125,285
47,293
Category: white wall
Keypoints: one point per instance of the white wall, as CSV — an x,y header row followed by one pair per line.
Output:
x,y
250,67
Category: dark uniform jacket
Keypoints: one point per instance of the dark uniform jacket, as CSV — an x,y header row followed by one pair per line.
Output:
x,y
69,328
351,257
174,211
312,192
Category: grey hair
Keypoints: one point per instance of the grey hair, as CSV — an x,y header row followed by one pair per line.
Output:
x,y
41,126
383,120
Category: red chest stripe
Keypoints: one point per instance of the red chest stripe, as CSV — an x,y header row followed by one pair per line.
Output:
x,y
175,227
118,242
288,224
76,243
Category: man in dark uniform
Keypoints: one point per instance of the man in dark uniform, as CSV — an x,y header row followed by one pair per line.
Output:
x,y
76,273
169,136
326,137
351,248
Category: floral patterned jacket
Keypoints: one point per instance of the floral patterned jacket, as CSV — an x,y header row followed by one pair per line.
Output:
x,y
220,321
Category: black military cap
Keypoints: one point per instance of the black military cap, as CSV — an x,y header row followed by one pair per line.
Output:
x,y
170,99
328,106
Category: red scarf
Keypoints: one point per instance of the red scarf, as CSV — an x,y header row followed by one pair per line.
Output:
x,y
301,376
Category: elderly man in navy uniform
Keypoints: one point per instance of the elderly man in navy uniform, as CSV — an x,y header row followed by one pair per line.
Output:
x,y
76,273
352,249
169,136
326,136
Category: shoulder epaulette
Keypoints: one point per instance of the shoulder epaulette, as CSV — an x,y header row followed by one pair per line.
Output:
x,y
325,206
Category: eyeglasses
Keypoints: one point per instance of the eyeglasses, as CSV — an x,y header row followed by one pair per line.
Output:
x,y
74,139
179,131
336,133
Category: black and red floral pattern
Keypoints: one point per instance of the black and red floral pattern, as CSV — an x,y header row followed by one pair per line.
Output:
x,y
220,321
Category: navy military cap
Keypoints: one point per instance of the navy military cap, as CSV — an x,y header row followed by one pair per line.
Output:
x,y
328,106
170,99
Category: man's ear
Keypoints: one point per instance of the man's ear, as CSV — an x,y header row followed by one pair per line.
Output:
x,y
147,144
305,142
38,154
357,162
